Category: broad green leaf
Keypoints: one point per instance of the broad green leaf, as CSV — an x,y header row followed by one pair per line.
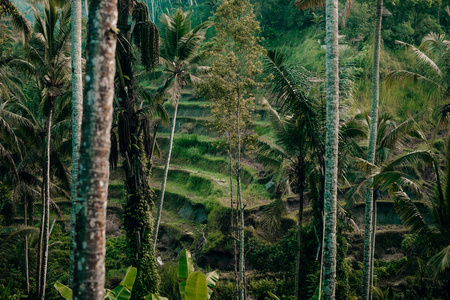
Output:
x,y
185,267
211,279
185,264
196,288
273,296
65,291
130,277
155,297
122,293
110,295
182,288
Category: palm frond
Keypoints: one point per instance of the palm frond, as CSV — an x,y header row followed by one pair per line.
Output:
x,y
440,262
422,58
410,215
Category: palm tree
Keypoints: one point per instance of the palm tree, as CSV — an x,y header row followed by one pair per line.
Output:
x,y
93,178
297,131
331,149
77,114
370,226
429,64
179,50
432,236
47,60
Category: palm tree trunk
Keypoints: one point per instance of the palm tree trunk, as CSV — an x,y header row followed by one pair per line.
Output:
x,y
46,207
233,226
166,172
92,187
26,247
152,149
77,114
372,254
301,183
331,149
366,292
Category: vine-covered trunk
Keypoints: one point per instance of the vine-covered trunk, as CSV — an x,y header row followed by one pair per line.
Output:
x,y
95,146
138,221
77,114
45,208
369,230
331,149
166,172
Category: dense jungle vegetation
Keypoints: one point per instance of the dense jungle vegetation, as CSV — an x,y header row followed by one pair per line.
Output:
x,y
237,160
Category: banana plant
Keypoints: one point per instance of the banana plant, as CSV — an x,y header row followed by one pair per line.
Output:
x,y
192,285
121,292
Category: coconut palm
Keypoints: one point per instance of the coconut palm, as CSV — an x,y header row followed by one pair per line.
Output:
x,y
93,178
48,63
296,130
179,49
429,64
431,236
77,114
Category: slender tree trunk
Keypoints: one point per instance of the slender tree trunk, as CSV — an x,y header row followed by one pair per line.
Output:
x,y
41,237
166,172
93,177
301,184
233,227
46,207
77,114
374,218
369,227
331,149
152,149
25,219
241,210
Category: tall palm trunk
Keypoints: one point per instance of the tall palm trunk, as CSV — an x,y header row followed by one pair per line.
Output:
x,y
166,172
77,114
301,188
369,224
45,209
26,247
331,149
92,187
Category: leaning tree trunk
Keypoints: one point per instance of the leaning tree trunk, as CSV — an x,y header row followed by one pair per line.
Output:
x,y
77,114
331,149
93,177
369,227
166,172
301,188
45,208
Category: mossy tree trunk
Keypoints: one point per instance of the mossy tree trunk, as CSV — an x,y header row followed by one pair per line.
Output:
x,y
138,221
77,114
331,149
95,146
